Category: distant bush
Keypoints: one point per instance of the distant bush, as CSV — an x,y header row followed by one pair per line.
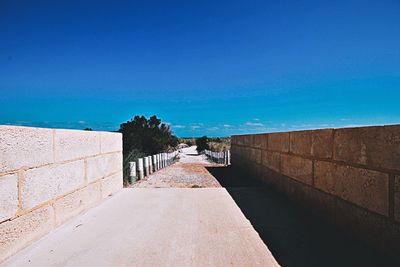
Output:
x,y
202,144
219,147
143,137
149,136
187,141
190,143
219,144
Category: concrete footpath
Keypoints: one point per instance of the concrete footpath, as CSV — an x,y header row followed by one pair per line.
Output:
x,y
197,213
190,171
154,227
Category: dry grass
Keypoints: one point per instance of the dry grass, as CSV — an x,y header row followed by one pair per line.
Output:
x,y
219,146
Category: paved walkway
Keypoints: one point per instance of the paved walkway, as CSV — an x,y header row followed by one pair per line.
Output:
x,y
189,172
148,226
166,220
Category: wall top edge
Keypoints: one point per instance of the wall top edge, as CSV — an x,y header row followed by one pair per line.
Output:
x,y
57,129
321,129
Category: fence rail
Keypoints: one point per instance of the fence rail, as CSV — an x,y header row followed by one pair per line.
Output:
x,y
145,166
223,157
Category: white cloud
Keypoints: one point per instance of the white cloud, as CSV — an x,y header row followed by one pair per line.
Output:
x,y
213,128
179,126
81,122
254,124
354,125
195,126
227,126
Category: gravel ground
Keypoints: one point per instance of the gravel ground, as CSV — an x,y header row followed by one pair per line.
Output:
x,y
188,172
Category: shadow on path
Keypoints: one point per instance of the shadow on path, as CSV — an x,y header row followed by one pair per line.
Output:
x,y
294,236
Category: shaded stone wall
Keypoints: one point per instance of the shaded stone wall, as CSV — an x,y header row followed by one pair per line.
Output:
x,y
350,176
47,176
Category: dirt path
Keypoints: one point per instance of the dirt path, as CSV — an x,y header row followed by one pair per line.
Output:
x,y
190,171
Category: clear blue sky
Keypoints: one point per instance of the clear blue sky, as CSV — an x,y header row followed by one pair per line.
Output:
x,y
205,67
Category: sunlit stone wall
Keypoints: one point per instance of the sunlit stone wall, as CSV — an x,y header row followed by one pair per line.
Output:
x,y
47,176
350,176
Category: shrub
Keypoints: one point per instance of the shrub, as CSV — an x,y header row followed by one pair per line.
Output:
x,y
202,144
141,137
149,136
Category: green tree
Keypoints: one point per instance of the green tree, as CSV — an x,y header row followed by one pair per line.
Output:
x,y
142,137
148,136
202,144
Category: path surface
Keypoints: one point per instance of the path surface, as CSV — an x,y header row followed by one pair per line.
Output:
x,y
189,172
154,227
237,221
147,226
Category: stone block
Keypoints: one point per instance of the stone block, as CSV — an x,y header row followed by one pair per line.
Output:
x,y
22,231
73,144
322,204
240,140
397,198
370,227
271,177
248,140
103,165
272,160
322,144
233,140
260,141
288,185
234,149
297,168
24,147
249,153
366,188
244,153
316,201
111,142
8,196
377,147
255,155
76,202
278,142
48,182
111,184
317,143
300,142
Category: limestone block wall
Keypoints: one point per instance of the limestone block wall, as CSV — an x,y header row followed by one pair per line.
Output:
x,y
48,176
351,176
